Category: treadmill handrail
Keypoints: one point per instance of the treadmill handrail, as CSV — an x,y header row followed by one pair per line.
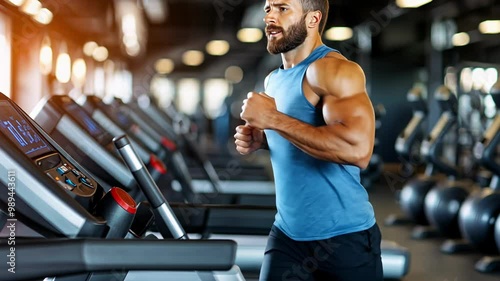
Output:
x,y
39,258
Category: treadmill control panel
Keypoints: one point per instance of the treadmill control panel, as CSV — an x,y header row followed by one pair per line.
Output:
x,y
20,132
66,176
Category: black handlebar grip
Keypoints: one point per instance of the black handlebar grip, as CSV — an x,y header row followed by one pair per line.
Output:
x,y
164,216
140,172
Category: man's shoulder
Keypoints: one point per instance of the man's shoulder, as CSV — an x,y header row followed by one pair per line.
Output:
x,y
333,72
335,62
334,66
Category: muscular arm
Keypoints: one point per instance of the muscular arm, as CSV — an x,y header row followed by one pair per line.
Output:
x,y
348,135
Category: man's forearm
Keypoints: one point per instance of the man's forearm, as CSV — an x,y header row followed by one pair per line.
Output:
x,y
334,142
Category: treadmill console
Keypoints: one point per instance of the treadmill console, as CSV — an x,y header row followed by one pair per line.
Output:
x,y
54,194
80,116
20,132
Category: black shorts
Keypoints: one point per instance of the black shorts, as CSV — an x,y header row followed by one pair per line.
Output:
x,y
349,257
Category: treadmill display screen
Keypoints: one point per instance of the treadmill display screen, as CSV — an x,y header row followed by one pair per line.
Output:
x,y
19,131
83,119
123,119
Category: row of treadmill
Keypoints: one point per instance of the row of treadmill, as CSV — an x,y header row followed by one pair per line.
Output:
x,y
456,198
108,193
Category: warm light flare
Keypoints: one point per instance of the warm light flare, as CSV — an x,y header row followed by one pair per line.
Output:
x,y
16,2
164,66
46,57
100,54
44,16
79,72
411,3
249,35
490,27
89,47
31,7
339,33
193,58
63,68
460,39
217,47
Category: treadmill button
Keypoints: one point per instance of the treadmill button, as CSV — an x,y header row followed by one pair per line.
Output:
x,y
66,186
85,182
70,182
75,172
62,170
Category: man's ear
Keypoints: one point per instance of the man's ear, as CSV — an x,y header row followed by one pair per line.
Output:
x,y
313,19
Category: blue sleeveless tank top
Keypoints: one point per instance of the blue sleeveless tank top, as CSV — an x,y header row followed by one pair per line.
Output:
x,y
315,199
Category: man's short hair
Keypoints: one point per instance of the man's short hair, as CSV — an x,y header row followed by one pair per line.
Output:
x,y
317,5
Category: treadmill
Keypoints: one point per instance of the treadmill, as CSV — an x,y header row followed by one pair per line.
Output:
x,y
217,221
83,225
166,150
182,126
62,118
395,258
212,180
231,170
61,114
83,138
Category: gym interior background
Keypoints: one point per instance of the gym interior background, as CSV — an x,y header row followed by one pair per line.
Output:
x,y
203,56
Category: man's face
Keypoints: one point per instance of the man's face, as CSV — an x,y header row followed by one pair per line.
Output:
x,y
285,26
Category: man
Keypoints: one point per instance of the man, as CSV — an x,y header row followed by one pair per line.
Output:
x,y
318,122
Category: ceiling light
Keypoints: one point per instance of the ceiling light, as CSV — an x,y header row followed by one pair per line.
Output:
x,y
129,25
100,53
132,23
192,58
217,47
411,3
490,27
466,79
99,81
130,39
478,78
63,65
44,16
189,95
164,66
79,71
234,74
339,33
250,35
460,39
89,47
133,50
156,10
46,56
31,7
16,2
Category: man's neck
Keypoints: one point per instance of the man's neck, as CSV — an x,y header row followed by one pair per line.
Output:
x,y
295,56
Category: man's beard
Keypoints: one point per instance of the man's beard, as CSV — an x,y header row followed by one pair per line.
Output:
x,y
291,38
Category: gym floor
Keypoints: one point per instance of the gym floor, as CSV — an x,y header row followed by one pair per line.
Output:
x,y
427,262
